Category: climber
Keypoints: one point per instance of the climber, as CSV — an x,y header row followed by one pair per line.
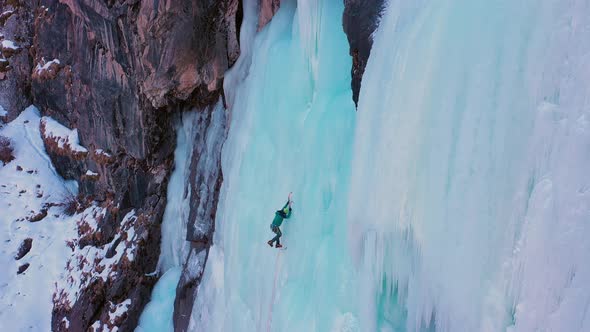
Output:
x,y
281,214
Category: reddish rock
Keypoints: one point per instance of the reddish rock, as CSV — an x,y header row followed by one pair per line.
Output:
x,y
22,268
102,158
15,73
268,8
24,248
53,147
6,151
38,216
46,70
5,16
4,66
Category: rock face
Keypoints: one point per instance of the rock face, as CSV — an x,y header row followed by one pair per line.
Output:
x,y
16,24
24,248
360,19
6,151
268,8
117,71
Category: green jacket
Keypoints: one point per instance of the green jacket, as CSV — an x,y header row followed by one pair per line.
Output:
x,y
284,213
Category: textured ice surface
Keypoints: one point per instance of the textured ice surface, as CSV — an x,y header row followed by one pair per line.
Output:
x,y
291,130
457,200
157,315
469,207
174,248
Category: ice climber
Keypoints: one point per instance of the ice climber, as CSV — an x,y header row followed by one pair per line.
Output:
x,y
280,215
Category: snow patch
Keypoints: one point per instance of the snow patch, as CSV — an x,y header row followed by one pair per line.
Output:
x,y
64,137
3,112
91,173
118,310
101,152
66,322
9,44
96,326
39,69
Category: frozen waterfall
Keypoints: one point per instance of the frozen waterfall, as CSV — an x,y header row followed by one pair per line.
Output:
x,y
291,130
457,197
469,205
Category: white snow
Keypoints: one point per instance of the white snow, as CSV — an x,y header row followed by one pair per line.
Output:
x,y
3,111
41,68
119,309
90,262
9,44
96,326
66,322
101,152
91,173
26,299
63,136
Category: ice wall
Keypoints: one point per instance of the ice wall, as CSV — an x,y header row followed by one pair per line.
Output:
x,y
174,248
291,130
157,315
199,134
469,206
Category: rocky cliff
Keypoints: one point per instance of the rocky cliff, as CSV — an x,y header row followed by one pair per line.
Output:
x,y
15,61
116,71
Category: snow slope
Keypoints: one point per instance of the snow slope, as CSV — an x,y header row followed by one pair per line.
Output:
x,y
26,299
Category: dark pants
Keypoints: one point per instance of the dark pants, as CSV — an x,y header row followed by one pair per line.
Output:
x,y
277,231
